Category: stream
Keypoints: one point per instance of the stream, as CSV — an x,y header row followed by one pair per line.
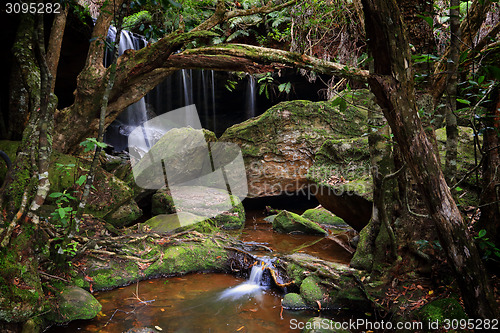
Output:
x,y
210,302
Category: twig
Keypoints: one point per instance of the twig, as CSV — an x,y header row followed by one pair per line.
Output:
x,y
52,276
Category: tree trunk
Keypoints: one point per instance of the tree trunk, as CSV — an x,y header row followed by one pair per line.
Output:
x,y
392,84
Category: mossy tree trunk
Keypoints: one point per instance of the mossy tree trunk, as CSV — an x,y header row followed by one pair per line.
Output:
x,y
27,183
376,247
392,83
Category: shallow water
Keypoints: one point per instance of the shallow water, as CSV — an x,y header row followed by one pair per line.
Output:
x,y
209,302
192,303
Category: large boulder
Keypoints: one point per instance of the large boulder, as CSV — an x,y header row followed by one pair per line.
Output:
x,y
279,146
74,303
287,222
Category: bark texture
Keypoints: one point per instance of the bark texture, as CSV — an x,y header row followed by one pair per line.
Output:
x,y
392,84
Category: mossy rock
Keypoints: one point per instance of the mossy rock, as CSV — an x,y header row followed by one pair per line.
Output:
x,y
293,301
323,325
125,215
178,222
74,303
287,222
277,145
323,216
311,291
226,211
438,310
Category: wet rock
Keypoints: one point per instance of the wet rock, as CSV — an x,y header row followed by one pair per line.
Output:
x,y
323,216
279,146
323,325
74,303
287,222
224,210
293,301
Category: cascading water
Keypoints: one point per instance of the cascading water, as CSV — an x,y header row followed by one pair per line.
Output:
x,y
135,114
253,286
251,97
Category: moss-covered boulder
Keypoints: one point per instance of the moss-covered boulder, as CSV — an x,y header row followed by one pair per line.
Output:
x,y
279,146
311,291
224,210
287,222
293,301
74,303
438,310
125,215
323,216
323,325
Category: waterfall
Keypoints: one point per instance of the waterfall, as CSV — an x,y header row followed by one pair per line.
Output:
x,y
214,125
251,97
136,114
251,287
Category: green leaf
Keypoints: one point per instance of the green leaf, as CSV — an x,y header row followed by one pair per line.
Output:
x,y
55,195
463,101
459,189
427,19
81,180
61,212
481,233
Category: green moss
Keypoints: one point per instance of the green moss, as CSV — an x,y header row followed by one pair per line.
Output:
x,y
438,310
323,216
311,291
74,303
289,222
293,301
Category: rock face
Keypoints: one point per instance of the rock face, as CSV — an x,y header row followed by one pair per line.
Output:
x,y
74,303
290,222
279,146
